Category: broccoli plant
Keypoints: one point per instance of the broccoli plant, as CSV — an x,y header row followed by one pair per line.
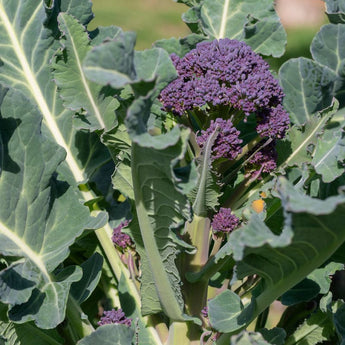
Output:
x,y
174,195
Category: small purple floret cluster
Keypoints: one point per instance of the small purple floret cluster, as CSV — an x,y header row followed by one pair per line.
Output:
x,y
114,316
224,221
227,143
121,239
263,161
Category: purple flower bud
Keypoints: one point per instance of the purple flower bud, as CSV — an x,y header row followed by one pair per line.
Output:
x,y
114,316
204,312
263,161
119,238
224,221
227,143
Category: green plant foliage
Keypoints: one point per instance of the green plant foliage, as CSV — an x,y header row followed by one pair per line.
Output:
x,y
254,22
111,209
109,334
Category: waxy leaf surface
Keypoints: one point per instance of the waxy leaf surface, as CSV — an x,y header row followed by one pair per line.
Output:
x,y
254,22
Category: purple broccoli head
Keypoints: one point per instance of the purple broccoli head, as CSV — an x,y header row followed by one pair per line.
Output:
x,y
225,72
226,78
227,143
224,221
121,239
114,316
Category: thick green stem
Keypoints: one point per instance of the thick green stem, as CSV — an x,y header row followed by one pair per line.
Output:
x,y
196,293
183,333
79,325
113,257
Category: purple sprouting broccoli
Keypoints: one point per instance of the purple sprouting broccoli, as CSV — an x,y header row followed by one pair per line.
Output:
x,y
224,221
227,143
228,73
263,161
226,79
114,316
121,239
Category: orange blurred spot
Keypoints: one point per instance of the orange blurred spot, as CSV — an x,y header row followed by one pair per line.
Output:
x,y
258,205
263,195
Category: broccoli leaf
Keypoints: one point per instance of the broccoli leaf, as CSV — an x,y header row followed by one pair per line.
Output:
x,y
327,50
40,218
335,10
284,260
115,334
94,103
308,87
314,330
254,22
161,207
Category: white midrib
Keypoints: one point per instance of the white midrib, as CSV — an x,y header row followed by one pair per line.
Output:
x,y
34,257
224,19
55,132
39,98
85,83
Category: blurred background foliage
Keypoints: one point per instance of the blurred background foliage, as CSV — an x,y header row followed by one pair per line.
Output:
x,y
157,19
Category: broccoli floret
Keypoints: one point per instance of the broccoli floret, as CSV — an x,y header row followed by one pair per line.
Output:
x,y
224,221
114,316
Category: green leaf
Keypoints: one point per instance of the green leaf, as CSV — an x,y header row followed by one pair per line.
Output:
x,y
327,50
308,87
27,36
92,269
254,22
122,180
160,207
94,103
299,146
128,306
248,338
205,195
284,260
304,291
316,329
275,336
112,63
27,334
335,10
339,322
329,153
317,282
179,46
227,313
113,334
46,217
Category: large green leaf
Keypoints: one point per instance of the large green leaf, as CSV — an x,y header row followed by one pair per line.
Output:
x,y
335,10
308,87
161,206
328,50
329,153
114,63
284,260
254,22
27,38
40,217
94,103
299,146
109,335
316,329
